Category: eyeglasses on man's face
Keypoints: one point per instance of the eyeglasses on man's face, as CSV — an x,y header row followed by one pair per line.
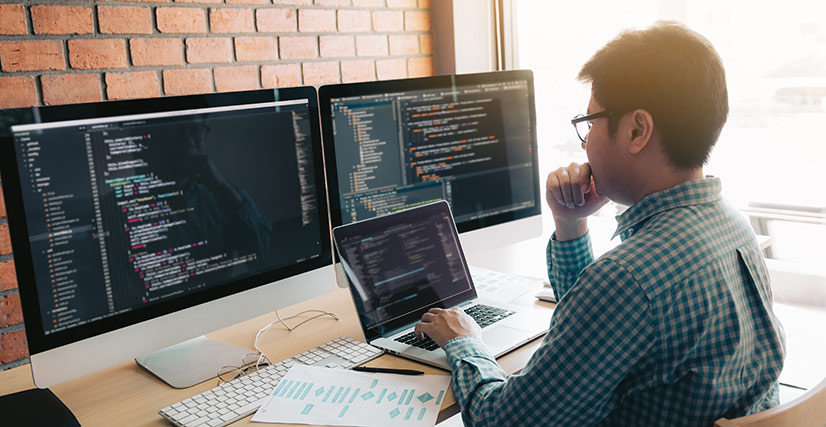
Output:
x,y
582,123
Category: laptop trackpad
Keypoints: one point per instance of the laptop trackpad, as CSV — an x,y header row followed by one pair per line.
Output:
x,y
501,336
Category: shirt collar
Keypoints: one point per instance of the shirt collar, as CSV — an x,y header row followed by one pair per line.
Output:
x,y
688,193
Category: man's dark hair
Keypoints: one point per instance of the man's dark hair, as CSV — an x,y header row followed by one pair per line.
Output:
x,y
673,73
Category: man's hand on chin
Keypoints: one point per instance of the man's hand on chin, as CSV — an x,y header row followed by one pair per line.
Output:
x,y
443,325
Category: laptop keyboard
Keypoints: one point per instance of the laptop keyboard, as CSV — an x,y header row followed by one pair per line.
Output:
x,y
484,315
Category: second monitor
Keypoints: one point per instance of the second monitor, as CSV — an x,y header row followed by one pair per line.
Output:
x,y
468,139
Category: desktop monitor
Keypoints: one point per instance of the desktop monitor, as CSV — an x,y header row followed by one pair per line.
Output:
x,y
140,224
468,139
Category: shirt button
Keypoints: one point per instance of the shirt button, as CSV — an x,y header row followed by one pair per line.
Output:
x,y
630,231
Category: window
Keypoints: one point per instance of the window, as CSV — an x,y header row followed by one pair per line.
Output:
x,y
771,155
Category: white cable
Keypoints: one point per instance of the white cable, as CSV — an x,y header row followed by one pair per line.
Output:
x,y
261,356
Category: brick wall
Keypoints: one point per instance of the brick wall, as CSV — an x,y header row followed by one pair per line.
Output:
x,y
70,51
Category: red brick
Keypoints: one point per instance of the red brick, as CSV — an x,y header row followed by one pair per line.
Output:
x,y
8,277
424,4
187,81
368,3
140,84
357,71
70,88
388,20
87,54
180,20
61,19
13,346
32,55
401,3
10,311
404,44
231,21
256,49
231,79
156,51
5,240
316,20
420,67
199,1
300,2
426,42
332,2
354,21
415,20
276,20
320,73
281,75
247,1
12,19
371,45
17,92
337,46
125,20
2,201
298,47
206,50
388,69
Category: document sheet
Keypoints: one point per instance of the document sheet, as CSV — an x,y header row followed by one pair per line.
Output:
x,y
315,395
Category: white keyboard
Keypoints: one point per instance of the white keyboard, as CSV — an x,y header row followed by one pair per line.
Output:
x,y
238,398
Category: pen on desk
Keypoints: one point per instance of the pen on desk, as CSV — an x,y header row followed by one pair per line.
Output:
x,y
388,370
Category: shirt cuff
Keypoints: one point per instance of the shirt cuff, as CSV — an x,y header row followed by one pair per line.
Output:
x,y
570,257
463,347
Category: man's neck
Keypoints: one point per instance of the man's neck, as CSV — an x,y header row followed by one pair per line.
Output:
x,y
666,179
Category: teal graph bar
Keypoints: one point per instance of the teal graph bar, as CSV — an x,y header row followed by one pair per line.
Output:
x,y
353,397
404,394
408,414
300,389
306,390
286,386
421,414
280,386
381,395
373,385
343,411
307,409
344,396
338,393
329,392
439,399
410,396
292,389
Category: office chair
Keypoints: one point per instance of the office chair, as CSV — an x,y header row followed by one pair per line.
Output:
x,y
807,410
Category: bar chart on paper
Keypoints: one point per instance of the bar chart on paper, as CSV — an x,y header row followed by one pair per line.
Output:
x,y
314,395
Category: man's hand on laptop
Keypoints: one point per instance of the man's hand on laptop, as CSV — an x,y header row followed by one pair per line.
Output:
x,y
443,325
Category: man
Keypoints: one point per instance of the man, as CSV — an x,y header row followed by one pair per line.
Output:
x,y
675,325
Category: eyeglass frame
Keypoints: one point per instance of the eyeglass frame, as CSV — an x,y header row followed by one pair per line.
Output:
x,y
587,118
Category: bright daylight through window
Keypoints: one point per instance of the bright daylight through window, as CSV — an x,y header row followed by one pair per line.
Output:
x,y
771,155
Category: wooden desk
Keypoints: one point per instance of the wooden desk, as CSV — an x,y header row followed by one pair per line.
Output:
x,y
127,395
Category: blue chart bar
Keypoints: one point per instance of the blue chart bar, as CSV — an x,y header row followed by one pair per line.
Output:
x,y
286,386
373,385
439,399
343,411
300,389
344,396
292,389
353,397
383,391
280,386
410,396
404,394
306,390
338,393
408,414
307,409
421,414
329,392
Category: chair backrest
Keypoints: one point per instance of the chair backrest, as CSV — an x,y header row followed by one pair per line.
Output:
x,y
807,410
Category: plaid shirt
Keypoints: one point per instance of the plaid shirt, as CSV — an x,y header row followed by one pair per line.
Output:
x,y
672,327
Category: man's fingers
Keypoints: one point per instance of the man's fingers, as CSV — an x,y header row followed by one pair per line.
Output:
x,y
576,190
585,178
553,186
420,329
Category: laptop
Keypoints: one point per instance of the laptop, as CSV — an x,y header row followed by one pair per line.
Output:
x,y
401,265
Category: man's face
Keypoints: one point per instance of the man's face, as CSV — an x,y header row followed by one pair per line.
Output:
x,y
598,147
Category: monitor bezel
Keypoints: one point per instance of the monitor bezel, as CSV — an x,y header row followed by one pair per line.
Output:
x,y
38,341
328,92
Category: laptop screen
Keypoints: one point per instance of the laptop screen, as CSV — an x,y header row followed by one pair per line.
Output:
x,y
401,265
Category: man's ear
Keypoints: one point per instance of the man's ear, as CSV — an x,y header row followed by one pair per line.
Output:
x,y
641,129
